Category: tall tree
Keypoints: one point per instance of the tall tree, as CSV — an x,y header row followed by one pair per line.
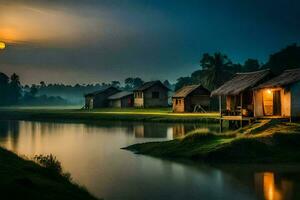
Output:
x,y
131,83
15,88
4,89
183,81
216,68
251,65
287,58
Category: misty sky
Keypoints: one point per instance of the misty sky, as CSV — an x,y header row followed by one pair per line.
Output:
x,y
88,41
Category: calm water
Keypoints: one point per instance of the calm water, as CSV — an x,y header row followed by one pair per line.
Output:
x,y
92,154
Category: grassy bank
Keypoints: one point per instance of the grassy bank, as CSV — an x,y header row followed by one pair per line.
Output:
x,y
24,179
263,142
111,114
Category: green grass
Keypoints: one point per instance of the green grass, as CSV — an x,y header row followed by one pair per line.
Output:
x,y
128,114
263,142
24,179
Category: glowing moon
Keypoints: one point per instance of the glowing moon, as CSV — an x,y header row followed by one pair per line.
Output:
x,y
2,45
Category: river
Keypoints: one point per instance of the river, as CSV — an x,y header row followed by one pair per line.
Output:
x,y
91,153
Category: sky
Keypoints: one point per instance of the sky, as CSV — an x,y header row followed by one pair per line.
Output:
x,y
92,41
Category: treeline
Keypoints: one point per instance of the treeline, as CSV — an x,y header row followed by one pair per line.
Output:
x,y
218,68
12,93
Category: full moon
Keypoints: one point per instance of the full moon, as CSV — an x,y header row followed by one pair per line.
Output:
x,y
2,45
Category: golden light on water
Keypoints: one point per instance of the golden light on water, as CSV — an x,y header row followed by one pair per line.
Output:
x,y
2,45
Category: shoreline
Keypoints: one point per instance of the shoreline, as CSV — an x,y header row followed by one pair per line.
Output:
x,y
135,115
22,178
267,141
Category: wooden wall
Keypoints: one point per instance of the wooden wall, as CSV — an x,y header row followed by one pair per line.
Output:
x,y
162,101
147,101
285,95
138,99
295,100
178,105
100,100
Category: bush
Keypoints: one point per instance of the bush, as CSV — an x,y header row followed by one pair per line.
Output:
x,y
50,162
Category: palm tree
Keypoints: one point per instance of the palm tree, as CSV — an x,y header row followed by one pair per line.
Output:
x,y
216,68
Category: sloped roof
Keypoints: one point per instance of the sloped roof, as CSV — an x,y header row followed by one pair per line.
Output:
x,y
149,84
241,82
286,78
99,91
186,90
120,95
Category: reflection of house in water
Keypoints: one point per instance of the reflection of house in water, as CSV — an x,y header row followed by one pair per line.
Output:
x,y
269,187
149,130
180,130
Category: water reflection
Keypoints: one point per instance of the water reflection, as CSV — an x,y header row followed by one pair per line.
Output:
x,y
270,187
92,154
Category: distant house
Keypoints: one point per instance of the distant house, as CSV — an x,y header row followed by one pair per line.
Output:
x,y
122,99
151,94
239,94
99,99
279,96
191,98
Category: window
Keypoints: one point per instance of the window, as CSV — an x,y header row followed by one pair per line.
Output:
x,y
155,95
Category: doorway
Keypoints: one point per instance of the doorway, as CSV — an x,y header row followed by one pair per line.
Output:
x,y
272,103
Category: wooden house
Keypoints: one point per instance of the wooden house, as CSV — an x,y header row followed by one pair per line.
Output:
x,y
151,94
191,98
99,99
123,99
239,94
279,97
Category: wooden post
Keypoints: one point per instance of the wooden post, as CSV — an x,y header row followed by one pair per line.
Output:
x,y
220,105
220,110
242,110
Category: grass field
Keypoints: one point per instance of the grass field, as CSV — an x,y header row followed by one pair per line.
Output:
x,y
128,114
24,179
267,141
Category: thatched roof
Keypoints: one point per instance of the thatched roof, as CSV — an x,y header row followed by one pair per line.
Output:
x,y
286,78
120,95
241,82
99,91
149,84
186,90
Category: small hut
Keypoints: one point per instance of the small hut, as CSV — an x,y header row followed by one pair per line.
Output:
x,y
239,95
279,97
99,99
122,99
151,94
191,98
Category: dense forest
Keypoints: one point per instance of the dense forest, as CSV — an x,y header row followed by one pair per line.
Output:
x,y
214,70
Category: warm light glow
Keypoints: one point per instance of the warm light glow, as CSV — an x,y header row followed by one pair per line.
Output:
x,y
270,190
269,91
2,45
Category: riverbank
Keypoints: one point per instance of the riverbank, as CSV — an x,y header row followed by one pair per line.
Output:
x,y
266,141
108,114
24,179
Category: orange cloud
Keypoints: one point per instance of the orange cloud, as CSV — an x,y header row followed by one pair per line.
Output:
x,y
47,26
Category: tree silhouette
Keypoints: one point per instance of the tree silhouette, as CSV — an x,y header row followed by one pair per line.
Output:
x,y
287,58
216,68
15,88
251,65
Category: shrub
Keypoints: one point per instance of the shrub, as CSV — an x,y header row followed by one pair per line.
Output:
x,y
50,162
